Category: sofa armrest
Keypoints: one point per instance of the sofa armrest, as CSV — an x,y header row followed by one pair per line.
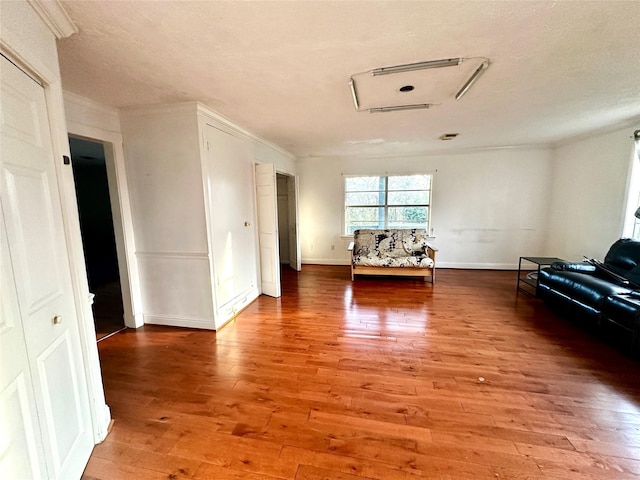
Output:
x,y
604,272
582,267
431,253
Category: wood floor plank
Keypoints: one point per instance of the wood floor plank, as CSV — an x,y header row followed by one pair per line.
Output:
x,y
308,472
380,378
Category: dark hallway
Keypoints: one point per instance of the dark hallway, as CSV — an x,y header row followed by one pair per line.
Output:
x,y
98,238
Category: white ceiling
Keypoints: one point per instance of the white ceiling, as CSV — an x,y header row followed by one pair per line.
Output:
x,y
281,69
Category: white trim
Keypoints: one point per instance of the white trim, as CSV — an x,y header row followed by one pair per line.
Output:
x,y
184,108
55,17
427,153
87,114
325,261
179,321
631,123
232,307
452,265
478,266
216,117
205,175
223,315
12,47
173,255
632,192
100,412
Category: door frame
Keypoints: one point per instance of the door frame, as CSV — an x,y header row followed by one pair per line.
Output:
x,y
290,178
293,186
120,204
273,259
293,233
28,61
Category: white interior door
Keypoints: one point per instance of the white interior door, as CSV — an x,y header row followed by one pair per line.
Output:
x,y
295,257
267,203
233,235
43,390
21,450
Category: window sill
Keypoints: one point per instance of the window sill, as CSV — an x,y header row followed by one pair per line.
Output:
x,y
430,238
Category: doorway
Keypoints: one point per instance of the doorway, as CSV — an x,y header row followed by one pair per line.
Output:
x,y
98,235
287,222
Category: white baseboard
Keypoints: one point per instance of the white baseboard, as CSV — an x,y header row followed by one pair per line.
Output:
x,y
175,321
233,307
478,266
135,321
455,265
325,261
104,420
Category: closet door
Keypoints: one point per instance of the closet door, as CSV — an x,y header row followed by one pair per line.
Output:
x,y
23,453
43,391
267,204
232,205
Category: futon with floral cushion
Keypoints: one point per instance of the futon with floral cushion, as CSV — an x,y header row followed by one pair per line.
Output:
x,y
396,251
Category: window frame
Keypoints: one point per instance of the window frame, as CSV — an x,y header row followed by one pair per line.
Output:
x,y
631,224
386,206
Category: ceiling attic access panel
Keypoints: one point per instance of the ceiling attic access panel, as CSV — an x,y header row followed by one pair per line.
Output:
x,y
416,84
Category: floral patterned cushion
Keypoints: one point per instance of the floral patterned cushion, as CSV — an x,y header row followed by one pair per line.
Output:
x,y
411,262
415,243
391,248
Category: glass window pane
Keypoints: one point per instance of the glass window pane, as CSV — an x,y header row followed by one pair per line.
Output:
x,y
408,217
407,201
409,198
364,217
364,184
410,182
364,198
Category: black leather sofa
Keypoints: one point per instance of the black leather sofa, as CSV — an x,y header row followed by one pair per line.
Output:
x,y
603,296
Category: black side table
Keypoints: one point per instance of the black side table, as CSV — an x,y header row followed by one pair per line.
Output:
x,y
525,281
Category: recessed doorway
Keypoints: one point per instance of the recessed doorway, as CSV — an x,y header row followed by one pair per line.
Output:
x,y
289,245
287,222
98,236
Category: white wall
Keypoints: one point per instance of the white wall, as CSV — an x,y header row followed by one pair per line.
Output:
x,y
590,179
25,35
265,152
190,176
162,148
489,206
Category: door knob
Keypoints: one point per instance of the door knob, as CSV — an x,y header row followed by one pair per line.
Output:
x,y
57,320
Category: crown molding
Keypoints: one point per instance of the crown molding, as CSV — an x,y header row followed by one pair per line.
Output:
x,y
198,108
55,17
221,120
632,123
88,113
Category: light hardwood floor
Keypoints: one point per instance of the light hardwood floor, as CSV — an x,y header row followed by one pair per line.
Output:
x,y
379,379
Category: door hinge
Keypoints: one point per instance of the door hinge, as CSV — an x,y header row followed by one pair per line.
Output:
x,y
66,160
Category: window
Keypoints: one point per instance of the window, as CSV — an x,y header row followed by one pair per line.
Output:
x,y
632,223
394,201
